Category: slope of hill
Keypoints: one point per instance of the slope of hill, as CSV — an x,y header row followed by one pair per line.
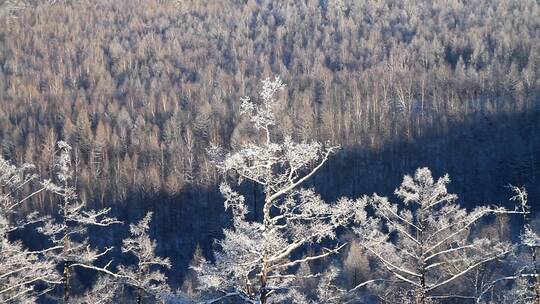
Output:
x,y
141,89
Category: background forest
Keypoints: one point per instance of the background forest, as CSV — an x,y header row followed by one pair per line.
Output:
x,y
141,89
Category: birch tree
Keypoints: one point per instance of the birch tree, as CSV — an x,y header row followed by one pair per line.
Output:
x,y
20,268
425,243
143,276
257,260
69,233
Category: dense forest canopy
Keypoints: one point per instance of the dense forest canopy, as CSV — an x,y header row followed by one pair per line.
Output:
x,y
141,89
146,86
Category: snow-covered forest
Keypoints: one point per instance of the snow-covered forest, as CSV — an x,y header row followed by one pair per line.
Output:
x,y
258,151
426,249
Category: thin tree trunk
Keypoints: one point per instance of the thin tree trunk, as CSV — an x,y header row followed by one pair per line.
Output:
x,y
266,222
422,298
139,296
263,291
67,272
66,279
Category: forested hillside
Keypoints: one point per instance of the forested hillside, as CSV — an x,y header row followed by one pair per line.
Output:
x,y
142,89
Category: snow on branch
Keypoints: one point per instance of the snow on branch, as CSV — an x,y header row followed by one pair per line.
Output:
x,y
20,268
145,274
426,242
257,260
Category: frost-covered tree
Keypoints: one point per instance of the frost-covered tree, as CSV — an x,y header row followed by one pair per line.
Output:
x,y
356,266
143,275
526,280
425,243
528,285
257,260
327,288
103,291
69,232
20,268
191,283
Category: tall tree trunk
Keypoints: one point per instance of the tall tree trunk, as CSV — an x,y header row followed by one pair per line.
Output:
x,y
264,271
421,299
266,223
